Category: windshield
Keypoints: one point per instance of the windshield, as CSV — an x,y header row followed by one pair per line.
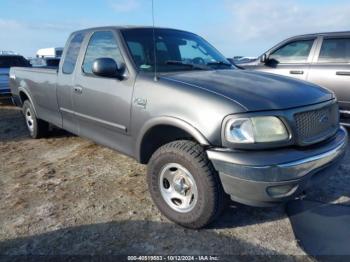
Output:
x,y
176,50
10,61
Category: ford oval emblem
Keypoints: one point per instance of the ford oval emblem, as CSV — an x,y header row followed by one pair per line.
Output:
x,y
323,119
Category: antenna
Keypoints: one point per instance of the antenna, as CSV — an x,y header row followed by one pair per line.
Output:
x,y
154,45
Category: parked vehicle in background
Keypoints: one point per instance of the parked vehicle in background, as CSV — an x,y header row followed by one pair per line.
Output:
x,y
8,60
204,127
45,62
4,52
236,60
49,52
322,58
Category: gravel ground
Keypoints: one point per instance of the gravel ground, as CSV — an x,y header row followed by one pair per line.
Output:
x,y
67,195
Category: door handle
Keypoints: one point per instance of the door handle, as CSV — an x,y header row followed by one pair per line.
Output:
x,y
296,72
78,89
342,73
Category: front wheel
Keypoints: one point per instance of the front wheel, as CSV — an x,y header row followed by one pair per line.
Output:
x,y
37,128
184,185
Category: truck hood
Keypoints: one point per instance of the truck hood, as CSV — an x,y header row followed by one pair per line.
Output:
x,y
255,91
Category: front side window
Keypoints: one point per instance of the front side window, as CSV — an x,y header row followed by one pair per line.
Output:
x,y
335,51
72,54
294,52
175,51
101,45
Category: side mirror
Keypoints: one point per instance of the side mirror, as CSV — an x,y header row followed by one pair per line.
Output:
x,y
106,67
263,58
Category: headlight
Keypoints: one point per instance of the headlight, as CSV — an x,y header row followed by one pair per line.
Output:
x,y
260,129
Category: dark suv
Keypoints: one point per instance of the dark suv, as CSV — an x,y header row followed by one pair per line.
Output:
x,y
6,62
322,58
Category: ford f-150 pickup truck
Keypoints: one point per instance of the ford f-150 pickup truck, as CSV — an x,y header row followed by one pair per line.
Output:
x,y
206,129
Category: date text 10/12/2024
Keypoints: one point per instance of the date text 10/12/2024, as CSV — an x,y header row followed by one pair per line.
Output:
x,y
173,258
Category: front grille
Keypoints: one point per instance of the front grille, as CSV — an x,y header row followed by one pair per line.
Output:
x,y
316,125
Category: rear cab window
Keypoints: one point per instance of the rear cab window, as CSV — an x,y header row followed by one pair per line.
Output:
x,y
335,50
71,57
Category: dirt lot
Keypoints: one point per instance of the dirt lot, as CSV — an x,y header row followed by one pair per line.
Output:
x,y
66,195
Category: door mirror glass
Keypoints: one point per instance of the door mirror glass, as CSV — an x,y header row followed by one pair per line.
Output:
x,y
105,67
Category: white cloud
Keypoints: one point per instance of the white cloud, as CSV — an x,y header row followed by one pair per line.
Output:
x,y
254,19
9,25
26,38
254,24
124,6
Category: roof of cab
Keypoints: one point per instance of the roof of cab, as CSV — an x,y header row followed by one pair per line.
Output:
x,y
122,27
313,35
339,33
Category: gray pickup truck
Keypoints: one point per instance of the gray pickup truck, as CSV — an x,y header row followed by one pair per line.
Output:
x,y
205,128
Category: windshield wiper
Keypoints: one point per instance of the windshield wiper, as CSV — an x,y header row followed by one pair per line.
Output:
x,y
220,63
193,66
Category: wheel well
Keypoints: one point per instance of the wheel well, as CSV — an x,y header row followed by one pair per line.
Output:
x,y
158,136
23,97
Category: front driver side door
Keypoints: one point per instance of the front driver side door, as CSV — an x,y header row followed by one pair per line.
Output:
x,y
102,104
291,59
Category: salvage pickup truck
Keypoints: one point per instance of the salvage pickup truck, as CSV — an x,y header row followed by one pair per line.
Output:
x,y
206,129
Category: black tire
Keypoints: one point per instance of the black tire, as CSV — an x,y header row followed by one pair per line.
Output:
x,y
211,197
37,128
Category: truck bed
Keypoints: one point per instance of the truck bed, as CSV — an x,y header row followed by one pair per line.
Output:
x,y
43,69
39,84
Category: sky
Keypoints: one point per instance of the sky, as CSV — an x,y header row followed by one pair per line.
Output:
x,y
235,27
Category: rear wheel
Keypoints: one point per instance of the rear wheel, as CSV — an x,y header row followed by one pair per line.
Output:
x,y
184,185
37,128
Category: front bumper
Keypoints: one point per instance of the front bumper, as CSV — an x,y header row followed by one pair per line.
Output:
x,y
265,178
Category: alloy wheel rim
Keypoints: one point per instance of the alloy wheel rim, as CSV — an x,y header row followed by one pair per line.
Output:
x,y
178,187
29,120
